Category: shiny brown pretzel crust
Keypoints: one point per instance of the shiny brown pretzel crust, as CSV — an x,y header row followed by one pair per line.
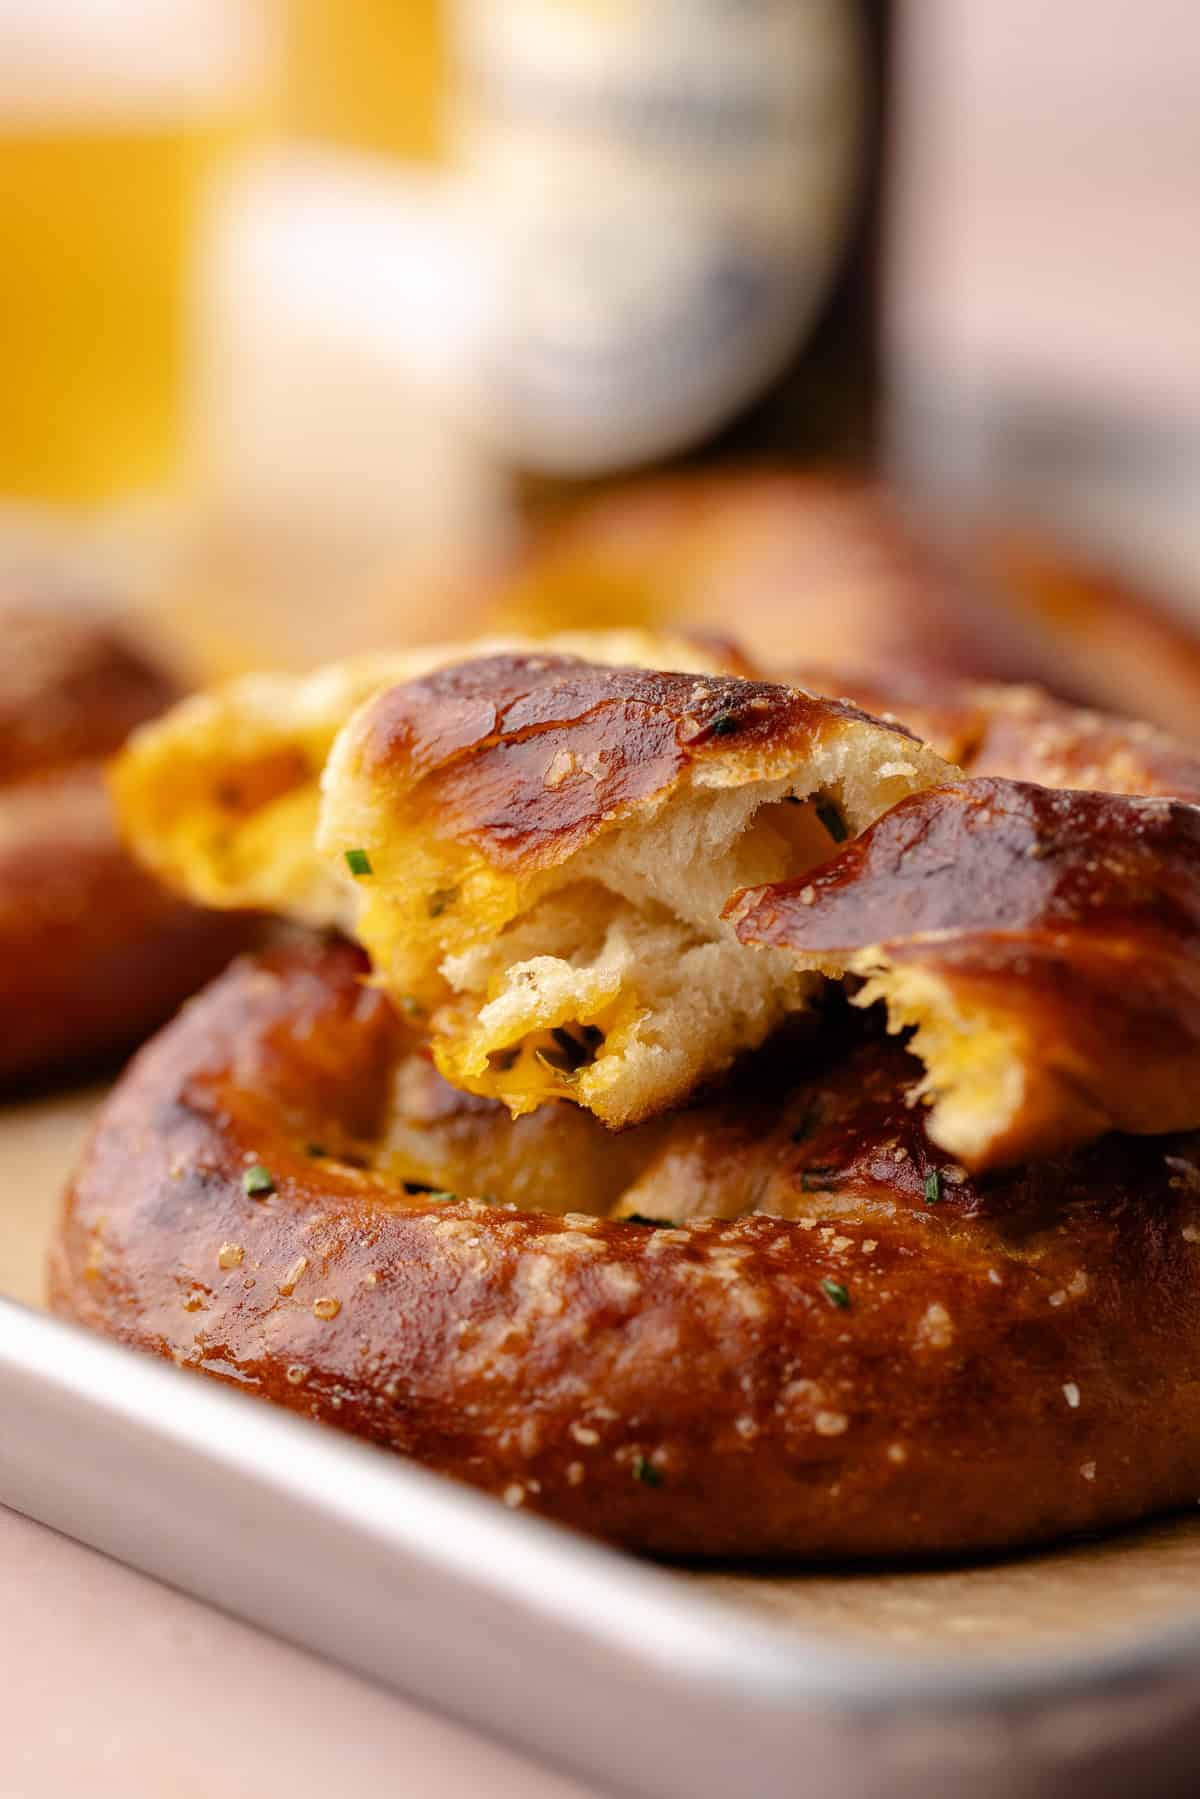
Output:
x,y
908,1363
93,954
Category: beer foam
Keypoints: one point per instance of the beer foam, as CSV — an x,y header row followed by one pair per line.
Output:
x,y
88,62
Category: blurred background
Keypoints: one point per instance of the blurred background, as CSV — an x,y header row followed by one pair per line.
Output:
x,y
312,311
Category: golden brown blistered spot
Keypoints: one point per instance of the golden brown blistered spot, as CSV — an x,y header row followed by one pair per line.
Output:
x,y
830,1424
326,1307
297,1374
231,1255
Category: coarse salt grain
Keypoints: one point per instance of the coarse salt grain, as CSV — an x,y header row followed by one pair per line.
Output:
x,y
936,1329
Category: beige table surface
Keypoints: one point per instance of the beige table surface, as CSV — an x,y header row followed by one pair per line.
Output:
x,y
115,1687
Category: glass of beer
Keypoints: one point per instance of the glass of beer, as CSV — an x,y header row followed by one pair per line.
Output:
x,y
368,74
115,115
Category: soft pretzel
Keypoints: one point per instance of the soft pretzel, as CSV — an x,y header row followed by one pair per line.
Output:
x,y
93,954
843,569
543,848
823,565
1090,627
220,797
1020,732
807,1335
1043,947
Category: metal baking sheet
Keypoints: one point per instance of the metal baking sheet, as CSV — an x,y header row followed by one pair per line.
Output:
x,y
627,1673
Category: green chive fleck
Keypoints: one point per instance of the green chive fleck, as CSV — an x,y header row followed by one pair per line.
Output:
x,y
441,1196
724,725
833,821
258,1181
836,1294
933,1188
411,1006
646,1472
358,862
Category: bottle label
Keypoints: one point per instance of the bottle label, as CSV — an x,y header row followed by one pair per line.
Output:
x,y
665,187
